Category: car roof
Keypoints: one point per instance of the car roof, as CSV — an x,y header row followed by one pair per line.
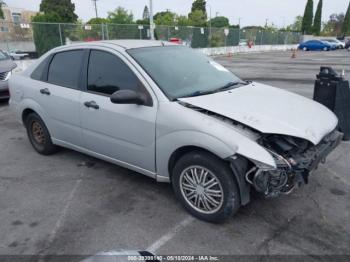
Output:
x,y
125,44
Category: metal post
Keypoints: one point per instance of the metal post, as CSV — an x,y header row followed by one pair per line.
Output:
x,y
59,30
102,30
151,19
261,37
210,28
239,31
107,32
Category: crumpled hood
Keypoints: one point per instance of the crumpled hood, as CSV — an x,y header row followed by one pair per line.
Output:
x,y
270,110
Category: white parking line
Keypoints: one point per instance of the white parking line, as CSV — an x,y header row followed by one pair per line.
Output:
x,y
168,236
62,216
338,176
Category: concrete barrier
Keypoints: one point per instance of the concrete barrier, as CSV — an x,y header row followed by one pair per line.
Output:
x,y
245,49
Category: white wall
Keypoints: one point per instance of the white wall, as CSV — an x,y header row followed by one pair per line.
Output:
x,y
245,49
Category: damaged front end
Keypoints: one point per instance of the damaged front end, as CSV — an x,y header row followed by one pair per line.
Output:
x,y
295,159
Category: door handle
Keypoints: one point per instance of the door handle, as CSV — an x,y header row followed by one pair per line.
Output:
x,y
91,104
45,91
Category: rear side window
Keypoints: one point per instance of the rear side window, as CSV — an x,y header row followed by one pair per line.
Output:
x,y
65,69
107,74
39,70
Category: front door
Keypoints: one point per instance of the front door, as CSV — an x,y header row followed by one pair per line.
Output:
x,y
123,132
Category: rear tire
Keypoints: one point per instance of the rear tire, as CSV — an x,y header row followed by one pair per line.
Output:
x,y
39,135
206,187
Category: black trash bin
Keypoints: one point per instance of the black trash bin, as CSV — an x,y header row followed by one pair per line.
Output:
x,y
333,91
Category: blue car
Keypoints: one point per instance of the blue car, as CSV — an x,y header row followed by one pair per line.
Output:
x,y
315,45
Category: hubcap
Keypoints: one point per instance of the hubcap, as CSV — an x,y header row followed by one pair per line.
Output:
x,y
38,133
201,189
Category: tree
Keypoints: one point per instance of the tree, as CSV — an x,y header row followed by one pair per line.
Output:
x,y
220,21
63,8
318,19
1,12
145,14
164,18
333,27
296,26
199,5
120,16
97,21
182,20
306,27
198,18
48,36
346,25
198,15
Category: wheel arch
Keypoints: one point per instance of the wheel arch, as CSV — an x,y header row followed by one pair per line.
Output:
x,y
176,155
26,112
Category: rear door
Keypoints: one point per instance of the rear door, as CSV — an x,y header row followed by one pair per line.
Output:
x,y
59,95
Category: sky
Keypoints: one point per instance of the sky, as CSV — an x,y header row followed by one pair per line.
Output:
x,y
251,12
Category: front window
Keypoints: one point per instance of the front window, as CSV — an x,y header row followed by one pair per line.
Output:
x,y
181,72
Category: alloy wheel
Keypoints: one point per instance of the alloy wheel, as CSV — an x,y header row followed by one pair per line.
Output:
x,y
201,189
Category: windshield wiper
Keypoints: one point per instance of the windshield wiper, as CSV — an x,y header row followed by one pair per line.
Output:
x,y
228,86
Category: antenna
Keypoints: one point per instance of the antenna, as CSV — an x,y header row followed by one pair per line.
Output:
x,y
95,5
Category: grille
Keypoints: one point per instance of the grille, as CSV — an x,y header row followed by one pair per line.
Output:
x,y
3,75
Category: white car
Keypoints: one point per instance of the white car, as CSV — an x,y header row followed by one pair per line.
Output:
x,y
171,113
333,41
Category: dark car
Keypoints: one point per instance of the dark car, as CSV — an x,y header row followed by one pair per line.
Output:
x,y
315,45
6,67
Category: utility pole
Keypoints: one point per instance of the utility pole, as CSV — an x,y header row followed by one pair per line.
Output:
x,y
151,19
210,28
266,22
95,5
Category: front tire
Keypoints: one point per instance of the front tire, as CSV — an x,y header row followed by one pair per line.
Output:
x,y
39,135
206,187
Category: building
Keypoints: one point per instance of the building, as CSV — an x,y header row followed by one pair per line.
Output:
x,y
14,17
15,30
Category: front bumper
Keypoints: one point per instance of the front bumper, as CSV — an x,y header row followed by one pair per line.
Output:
x,y
292,170
311,158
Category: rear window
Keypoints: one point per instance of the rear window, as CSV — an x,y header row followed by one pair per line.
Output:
x,y
65,69
39,70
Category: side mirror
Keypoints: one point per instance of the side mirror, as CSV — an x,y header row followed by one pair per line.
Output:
x,y
128,97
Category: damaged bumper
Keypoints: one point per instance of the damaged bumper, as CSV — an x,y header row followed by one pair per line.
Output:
x,y
311,158
292,168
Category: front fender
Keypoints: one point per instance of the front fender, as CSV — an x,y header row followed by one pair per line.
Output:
x,y
168,144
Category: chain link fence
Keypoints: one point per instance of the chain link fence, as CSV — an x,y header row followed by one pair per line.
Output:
x,y
41,37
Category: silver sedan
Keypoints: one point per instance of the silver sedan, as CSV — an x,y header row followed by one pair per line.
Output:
x,y
175,115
